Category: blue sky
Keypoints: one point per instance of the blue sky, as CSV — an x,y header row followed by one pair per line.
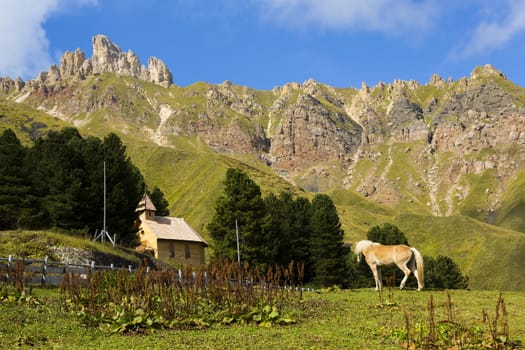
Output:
x,y
267,43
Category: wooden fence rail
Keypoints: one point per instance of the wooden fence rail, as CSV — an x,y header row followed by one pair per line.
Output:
x,y
46,272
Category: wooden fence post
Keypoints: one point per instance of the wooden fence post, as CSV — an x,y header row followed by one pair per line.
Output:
x,y
9,261
44,270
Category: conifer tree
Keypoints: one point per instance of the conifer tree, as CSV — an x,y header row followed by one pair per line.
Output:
x,y
125,187
67,178
289,222
241,205
387,234
326,243
59,175
443,273
160,203
13,184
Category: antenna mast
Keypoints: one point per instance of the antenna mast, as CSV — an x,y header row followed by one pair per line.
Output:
x,y
104,223
237,234
104,233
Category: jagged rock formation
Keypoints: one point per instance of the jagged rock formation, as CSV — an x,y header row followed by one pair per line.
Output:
x,y
423,147
107,58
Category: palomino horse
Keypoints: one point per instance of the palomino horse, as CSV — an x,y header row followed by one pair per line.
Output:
x,y
406,258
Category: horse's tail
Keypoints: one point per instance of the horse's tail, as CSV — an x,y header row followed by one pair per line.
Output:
x,y
419,268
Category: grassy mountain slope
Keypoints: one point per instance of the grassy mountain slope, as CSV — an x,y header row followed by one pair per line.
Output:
x,y
27,122
492,257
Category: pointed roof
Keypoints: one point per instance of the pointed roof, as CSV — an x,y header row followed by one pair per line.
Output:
x,y
145,204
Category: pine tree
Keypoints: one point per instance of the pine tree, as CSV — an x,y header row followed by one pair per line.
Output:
x,y
59,175
241,205
124,188
326,243
13,183
443,273
67,180
289,223
387,234
160,203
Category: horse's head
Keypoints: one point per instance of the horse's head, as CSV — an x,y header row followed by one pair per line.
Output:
x,y
360,247
358,250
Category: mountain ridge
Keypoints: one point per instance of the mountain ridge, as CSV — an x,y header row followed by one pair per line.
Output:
x,y
316,136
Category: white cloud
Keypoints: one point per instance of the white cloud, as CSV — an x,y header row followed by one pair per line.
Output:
x,y
390,16
24,47
495,34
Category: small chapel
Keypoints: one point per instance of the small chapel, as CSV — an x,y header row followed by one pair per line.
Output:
x,y
167,238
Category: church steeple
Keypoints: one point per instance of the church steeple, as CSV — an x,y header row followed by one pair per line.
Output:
x,y
146,207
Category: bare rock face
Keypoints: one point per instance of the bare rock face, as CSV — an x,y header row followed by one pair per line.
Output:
x,y
107,57
310,133
158,72
71,63
475,119
486,70
8,85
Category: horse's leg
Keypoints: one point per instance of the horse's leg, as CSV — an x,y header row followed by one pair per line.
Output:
x,y
413,268
407,272
379,277
376,272
419,287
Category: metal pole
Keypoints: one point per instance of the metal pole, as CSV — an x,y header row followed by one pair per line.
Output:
x,y
238,250
104,224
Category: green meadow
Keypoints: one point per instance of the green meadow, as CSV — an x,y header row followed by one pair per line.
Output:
x,y
327,319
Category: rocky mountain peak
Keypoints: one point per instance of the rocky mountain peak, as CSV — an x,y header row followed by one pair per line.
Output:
x,y
486,71
107,58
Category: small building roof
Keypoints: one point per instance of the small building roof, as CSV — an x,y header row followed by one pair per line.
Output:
x,y
145,204
173,228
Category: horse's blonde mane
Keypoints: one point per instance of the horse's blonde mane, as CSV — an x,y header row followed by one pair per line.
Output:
x,y
361,245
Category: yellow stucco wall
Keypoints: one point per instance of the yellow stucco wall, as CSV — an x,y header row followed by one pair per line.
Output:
x,y
175,251
149,238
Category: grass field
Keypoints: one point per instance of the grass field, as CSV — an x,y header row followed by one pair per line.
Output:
x,y
339,319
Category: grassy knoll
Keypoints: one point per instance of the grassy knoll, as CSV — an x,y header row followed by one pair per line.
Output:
x,y
38,244
345,319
